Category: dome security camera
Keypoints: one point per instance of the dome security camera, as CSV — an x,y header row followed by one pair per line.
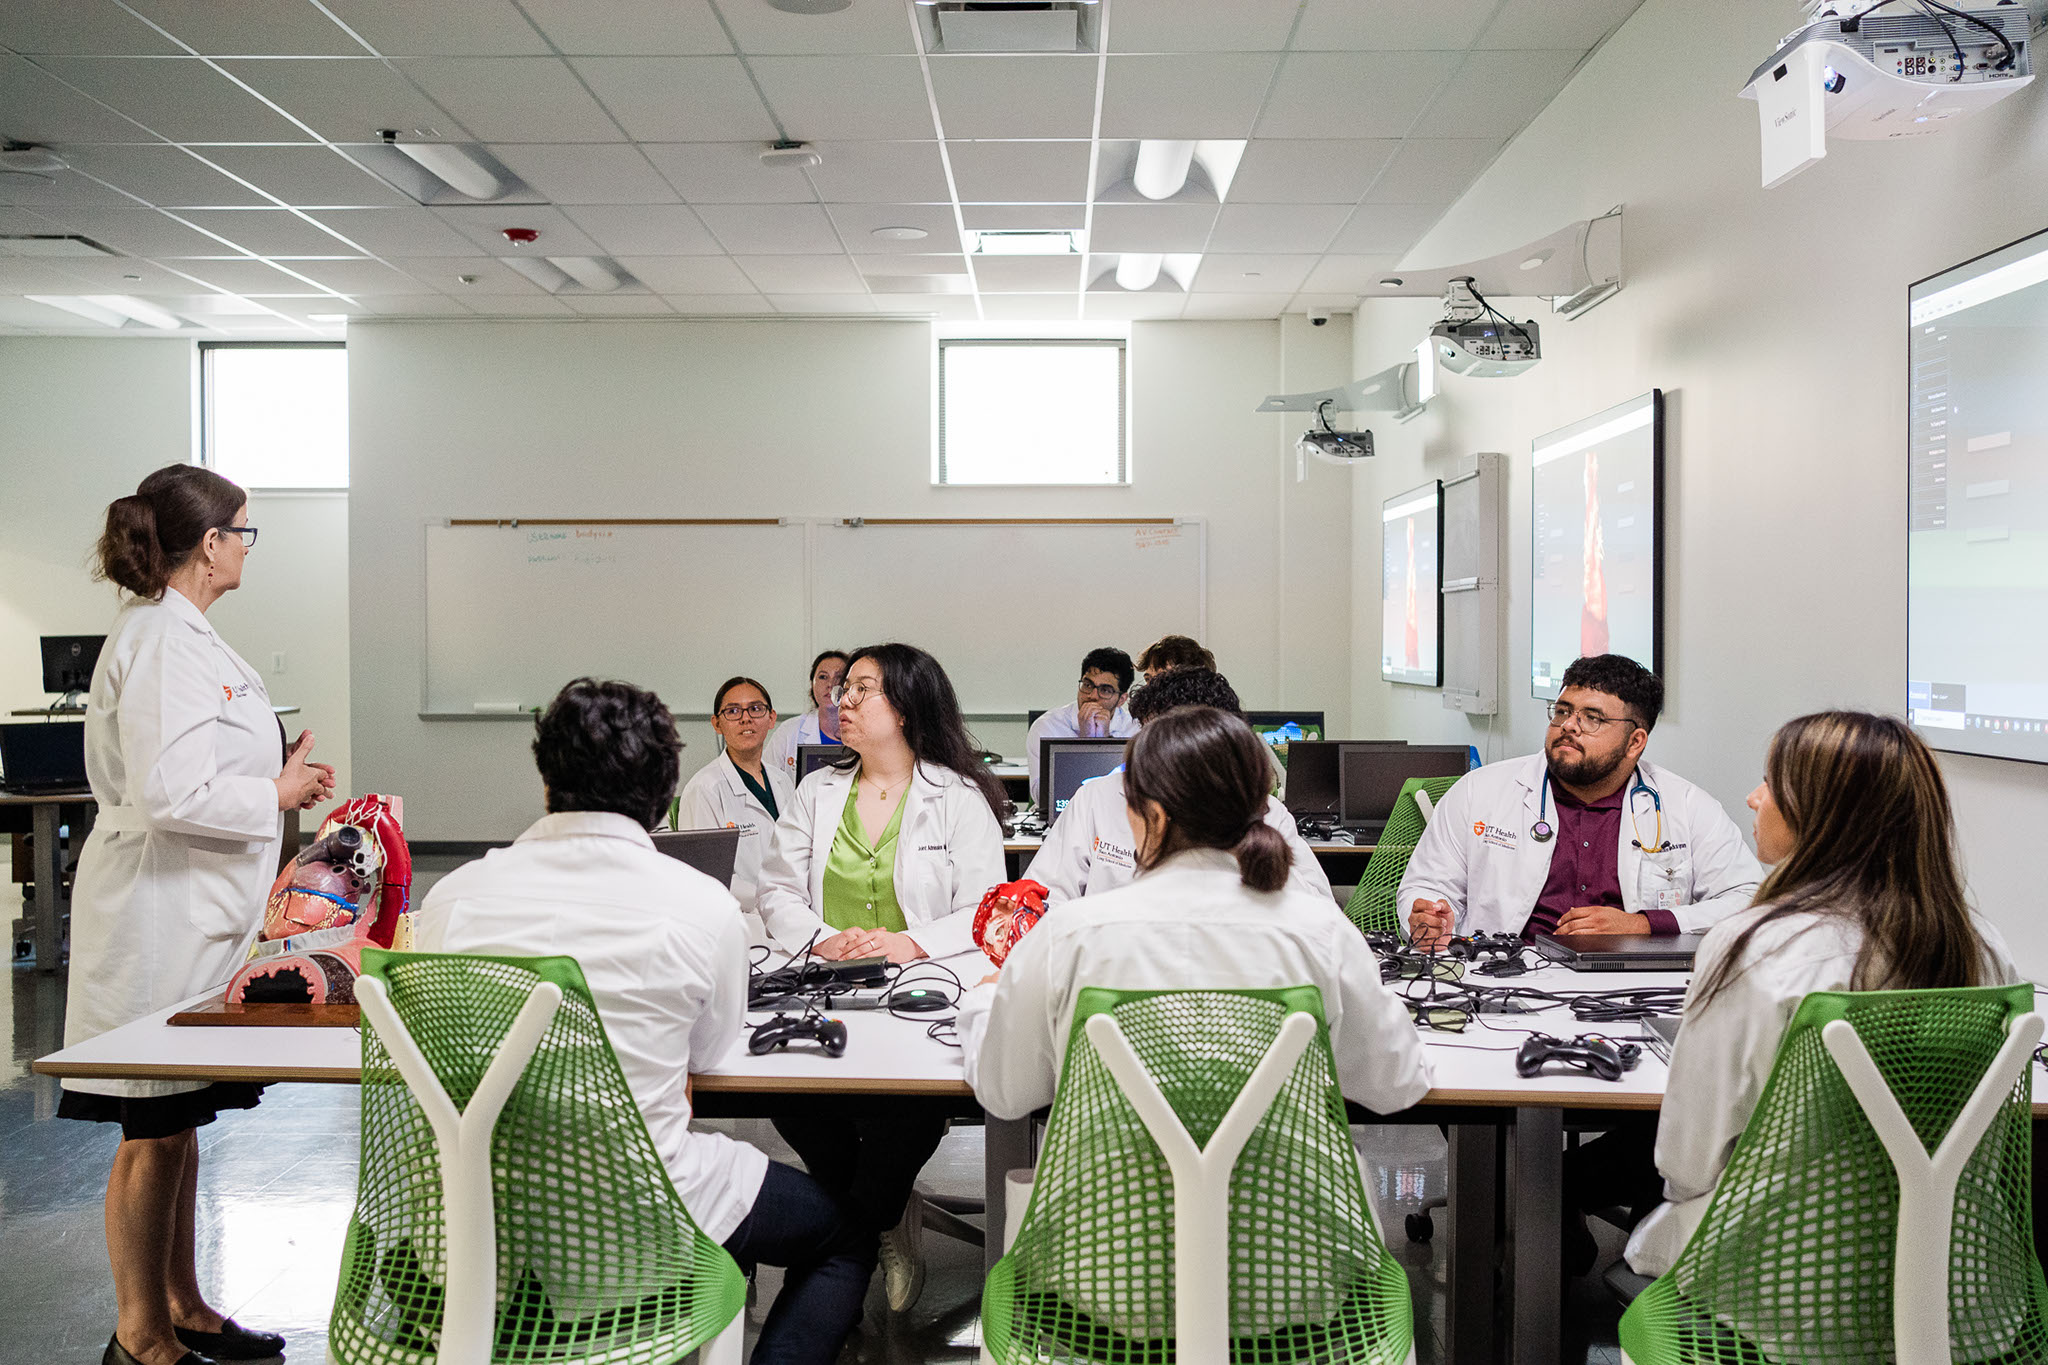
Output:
x,y
1318,318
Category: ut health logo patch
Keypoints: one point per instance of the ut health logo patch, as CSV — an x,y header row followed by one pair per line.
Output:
x,y
1479,829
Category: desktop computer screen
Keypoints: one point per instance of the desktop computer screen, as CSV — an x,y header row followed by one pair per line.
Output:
x,y
1281,728
1977,520
811,757
41,756
1064,764
1597,559
1369,780
1312,766
1411,587
68,661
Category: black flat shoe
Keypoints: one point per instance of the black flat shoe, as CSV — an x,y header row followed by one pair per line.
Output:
x,y
117,1354
233,1342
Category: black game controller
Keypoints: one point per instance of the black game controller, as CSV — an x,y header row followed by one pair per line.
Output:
x,y
784,1029
1483,945
1587,1052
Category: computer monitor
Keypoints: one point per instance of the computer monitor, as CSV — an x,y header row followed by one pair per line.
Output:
x,y
1064,764
1281,728
713,852
811,757
68,661
1312,767
43,756
1369,780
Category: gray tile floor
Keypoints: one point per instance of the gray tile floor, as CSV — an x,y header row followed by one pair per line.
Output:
x,y
278,1184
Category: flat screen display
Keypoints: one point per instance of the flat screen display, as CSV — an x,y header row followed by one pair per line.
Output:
x,y
1411,587
1596,542
1977,528
1067,763
811,757
1281,728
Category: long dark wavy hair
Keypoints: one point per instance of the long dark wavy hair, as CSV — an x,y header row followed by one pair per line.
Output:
x,y
933,727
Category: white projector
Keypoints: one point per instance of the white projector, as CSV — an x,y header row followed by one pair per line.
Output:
x,y
1486,348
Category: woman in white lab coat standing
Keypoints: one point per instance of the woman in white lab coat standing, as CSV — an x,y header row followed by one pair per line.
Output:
x,y
189,767
819,724
740,789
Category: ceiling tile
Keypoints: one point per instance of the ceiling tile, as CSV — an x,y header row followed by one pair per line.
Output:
x,y
1027,274
80,29
142,232
855,97
269,30
1429,170
515,99
1023,217
1151,227
822,303
1206,95
763,29
356,277
398,232
179,98
36,107
493,277
1201,25
303,176
535,305
857,224
1277,227
472,28
880,173
692,305
22,276
1496,94
109,275
66,190
1376,228
617,305
625,28
678,99
1350,274
727,173
161,174
1127,307
1252,274
688,274
1015,96
343,99
1391,25
1241,307
1302,171
266,232
416,306
909,265
1031,307
246,277
587,172
796,229
485,225
645,230
936,306
1537,24
1020,172
1353,94
803,274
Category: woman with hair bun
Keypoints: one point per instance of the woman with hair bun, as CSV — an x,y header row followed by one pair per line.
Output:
x,y
189,767
1211,909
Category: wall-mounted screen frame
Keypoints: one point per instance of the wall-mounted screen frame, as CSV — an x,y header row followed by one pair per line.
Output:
x,y
1411,587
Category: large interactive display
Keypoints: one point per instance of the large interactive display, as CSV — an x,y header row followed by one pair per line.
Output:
x,y
1596,541
1977,528
1411,596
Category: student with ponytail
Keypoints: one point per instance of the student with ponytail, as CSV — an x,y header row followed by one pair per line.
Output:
x,y
1212,909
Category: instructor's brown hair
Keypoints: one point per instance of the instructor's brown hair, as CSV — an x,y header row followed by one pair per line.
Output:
x,y
151,533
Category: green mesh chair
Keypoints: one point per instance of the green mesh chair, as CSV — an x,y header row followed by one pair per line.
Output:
x,y
1371,906
1198,1200
511,1206
1876,1206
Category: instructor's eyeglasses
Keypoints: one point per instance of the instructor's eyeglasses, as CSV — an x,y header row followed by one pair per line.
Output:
x,y
1590,722
247,533
756,709
849,696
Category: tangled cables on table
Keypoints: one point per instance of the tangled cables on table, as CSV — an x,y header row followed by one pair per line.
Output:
x,y
908,990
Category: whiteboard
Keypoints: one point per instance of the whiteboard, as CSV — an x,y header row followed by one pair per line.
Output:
x,y
513,611
1009,610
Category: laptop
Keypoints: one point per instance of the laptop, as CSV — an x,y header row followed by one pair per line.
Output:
x,y
1064,764
811,757
710,851
1621,952
1661,1031
1369,780
41,758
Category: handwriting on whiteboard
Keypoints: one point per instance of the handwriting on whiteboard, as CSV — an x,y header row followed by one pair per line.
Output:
x,y
1155,537
587,547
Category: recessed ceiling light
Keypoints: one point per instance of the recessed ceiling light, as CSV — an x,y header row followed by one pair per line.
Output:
x,y
1065,242
1534,261
131,277
901,234
1391,282
809,6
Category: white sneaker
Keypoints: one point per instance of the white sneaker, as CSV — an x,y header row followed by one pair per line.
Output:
x,y
902,1257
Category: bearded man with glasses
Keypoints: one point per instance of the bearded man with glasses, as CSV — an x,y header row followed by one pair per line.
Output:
x,y
1587,837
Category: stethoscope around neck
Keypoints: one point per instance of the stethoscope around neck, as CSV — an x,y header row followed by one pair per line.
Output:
x,y
1543,831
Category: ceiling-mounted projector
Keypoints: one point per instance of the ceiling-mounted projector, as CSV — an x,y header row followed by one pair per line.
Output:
x,y
1476,340
1859,74
1326,443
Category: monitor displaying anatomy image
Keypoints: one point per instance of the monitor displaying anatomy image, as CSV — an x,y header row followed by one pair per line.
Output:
x,y
1411,593
1597,558
1977,520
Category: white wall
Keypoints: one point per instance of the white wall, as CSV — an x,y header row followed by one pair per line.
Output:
x,y
800,418
1776,323
81,423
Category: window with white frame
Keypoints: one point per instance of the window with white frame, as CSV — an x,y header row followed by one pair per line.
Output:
x,y
275,416
1031,412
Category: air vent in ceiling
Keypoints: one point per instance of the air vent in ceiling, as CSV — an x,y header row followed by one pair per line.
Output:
x,y
52,244
1009,25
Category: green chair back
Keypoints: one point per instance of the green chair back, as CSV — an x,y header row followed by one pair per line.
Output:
x,y
1090,1276
1793,1260
597,1259
1371,906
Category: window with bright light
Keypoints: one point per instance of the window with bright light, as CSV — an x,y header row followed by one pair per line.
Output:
x,y
276,416
1031,412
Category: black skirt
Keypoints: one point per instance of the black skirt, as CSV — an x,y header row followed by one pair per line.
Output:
x,y
160,1116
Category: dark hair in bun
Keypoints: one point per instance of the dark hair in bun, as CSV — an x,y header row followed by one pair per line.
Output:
x,y
152,532
1210,774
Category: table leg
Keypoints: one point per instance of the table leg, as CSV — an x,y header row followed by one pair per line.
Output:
x,y
1538,1232
1007,1147
1473,1213
48,871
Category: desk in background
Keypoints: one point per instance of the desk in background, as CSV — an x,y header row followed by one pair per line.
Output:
x,y
51,815
1343,864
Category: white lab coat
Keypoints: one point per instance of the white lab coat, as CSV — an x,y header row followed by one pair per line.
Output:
x,y
1725,1052
1189,924
1092,847
1478,853
182,751
716,797
1064,722
780,750
949,852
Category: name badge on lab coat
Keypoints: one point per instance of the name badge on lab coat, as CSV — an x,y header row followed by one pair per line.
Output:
x,y
1664,878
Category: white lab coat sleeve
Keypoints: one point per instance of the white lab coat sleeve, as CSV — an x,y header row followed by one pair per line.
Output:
x,y
974,864
1438,870
697,808
1031,738
1725,874
1381,1063
784,897
781,745
1009,1053
170,711
1061,863
1305,873
724,1014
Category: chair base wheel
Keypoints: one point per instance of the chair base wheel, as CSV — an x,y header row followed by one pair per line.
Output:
x,y
1421,1227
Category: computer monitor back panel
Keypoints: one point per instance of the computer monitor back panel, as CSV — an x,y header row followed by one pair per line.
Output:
x,y
43,756
1312,771
811,757
1064,764
68,661
1370,780
714,852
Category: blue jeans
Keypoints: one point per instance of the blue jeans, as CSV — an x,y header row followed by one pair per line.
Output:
x,y
795,1224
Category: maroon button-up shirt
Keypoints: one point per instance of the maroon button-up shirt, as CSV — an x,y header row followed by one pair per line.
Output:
x,y
1583,867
